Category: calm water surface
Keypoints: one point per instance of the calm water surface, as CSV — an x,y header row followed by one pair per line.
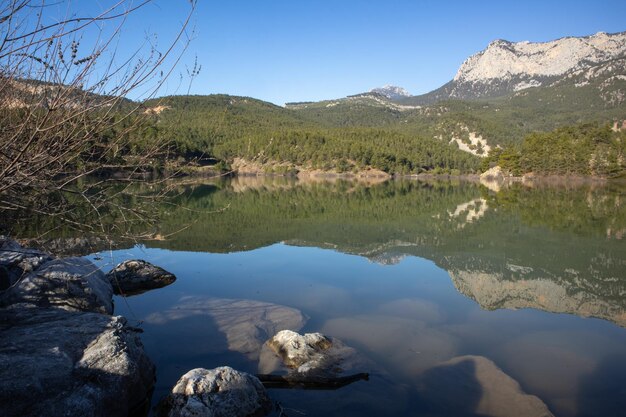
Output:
x,y
411,275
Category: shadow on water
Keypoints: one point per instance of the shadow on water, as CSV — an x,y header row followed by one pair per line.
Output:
x,y
450,390
603,393
185,344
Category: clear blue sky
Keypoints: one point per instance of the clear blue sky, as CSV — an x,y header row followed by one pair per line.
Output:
x,y
301,50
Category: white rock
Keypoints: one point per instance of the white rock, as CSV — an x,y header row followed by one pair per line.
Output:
x,y
310,353
543,59
492,174
219,392
391,91
297,351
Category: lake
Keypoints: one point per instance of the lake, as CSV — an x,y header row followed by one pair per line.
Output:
x,y
412,275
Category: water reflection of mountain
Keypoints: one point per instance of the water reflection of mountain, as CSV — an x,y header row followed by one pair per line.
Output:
x,y
549,248
553,249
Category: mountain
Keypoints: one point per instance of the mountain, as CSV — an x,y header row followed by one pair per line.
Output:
x,y
506,67
498,98
391,92
499,95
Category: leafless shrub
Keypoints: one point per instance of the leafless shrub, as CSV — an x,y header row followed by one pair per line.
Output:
x,y
64,115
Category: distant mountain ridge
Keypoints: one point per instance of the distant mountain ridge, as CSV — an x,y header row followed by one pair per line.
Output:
x,y
507,67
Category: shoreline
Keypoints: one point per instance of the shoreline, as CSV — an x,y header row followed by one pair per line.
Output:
x,y
369,176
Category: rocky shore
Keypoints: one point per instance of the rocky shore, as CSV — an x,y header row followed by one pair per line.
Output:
x,y
62,351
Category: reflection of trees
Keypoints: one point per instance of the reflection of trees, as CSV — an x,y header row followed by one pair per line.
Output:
x,y
583,210
527,254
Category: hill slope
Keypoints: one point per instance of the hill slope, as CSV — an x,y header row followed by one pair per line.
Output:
x,y
227,127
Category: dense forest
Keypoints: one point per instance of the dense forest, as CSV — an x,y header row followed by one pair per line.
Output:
x,y
586,149
225,127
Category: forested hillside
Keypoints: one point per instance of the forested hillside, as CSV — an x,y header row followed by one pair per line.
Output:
x,y
586,149
226,127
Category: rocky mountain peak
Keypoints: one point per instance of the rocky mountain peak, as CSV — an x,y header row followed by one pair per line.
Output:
x,y
536,60
392,92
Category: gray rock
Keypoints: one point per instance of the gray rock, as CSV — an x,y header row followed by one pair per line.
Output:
x,y
73,246
219,392
311,353
60,363
73,284
136,276
16,262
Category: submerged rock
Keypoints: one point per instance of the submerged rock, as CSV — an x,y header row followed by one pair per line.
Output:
x,y
245,324
55,362
311,353
16,261
219,392
73,284
136,276
474,385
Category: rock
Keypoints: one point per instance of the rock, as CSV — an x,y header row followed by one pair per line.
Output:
x,y
16,261
137,276
492,178
474,385
391,92
493,174
311,353
298,351
73,246
61,363
73,284
507,67
246,324
219,392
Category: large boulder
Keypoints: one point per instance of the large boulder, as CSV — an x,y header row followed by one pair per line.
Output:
x,y
137,276
73,284
219,392
55,362
16,262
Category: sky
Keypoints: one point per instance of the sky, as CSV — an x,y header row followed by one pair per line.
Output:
x,y
305,50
